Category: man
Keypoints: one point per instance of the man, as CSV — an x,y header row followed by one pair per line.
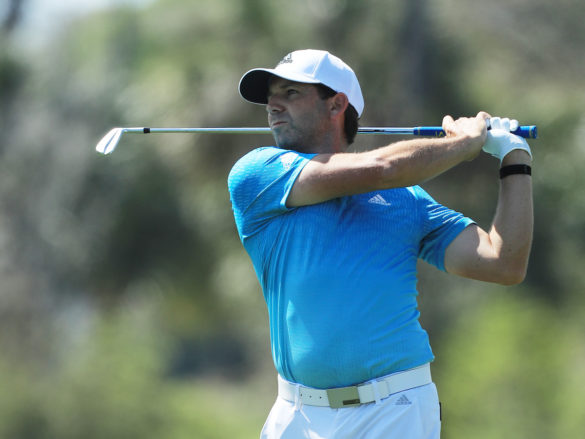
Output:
x,y
334,238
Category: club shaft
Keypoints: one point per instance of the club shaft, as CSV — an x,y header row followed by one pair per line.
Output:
x,y
528,131
109,142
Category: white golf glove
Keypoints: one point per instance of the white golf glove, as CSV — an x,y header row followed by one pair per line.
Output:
x,y
500,141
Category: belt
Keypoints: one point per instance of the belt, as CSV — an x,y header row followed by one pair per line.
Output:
x,y
365,393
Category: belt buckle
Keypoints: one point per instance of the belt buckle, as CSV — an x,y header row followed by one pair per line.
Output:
x,y
343,397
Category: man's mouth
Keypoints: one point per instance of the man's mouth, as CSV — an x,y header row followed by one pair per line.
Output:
x,y
277,124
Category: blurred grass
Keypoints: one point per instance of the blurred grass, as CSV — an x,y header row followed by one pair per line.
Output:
x,y
113,384
218,409
512,365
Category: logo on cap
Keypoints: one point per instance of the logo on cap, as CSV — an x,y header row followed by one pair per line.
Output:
x,y
287,59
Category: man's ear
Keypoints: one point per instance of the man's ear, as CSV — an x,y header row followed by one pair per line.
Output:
x,y
338,103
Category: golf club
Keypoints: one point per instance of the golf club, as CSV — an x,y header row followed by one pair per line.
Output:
x,y
110,141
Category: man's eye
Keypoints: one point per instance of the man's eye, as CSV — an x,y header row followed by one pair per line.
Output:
x,y
291,91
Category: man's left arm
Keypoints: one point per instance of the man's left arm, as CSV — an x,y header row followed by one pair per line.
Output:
x,y
501,254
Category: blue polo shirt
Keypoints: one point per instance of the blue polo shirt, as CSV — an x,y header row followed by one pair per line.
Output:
x,y
339,277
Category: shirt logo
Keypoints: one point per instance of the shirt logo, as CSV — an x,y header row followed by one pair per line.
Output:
x,y
287,160
379,199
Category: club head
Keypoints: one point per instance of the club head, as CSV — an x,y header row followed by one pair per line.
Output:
x,y
109,142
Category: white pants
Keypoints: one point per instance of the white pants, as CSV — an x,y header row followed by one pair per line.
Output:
x,y
412,414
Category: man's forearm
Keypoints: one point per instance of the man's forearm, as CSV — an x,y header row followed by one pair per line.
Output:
x,y
511,231
401,164
414,161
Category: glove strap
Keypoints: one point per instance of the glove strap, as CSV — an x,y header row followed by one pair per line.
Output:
x,y
515,169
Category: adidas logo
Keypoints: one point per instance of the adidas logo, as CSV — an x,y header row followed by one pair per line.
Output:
x,y
287,59
403,400
379,199
287,160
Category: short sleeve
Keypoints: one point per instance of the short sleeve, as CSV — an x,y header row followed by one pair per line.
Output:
x,y
259,185
441,226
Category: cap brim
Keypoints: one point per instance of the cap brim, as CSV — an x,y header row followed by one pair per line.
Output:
x,y
254,84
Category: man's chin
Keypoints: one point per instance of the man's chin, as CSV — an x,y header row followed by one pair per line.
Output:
x,y
283,142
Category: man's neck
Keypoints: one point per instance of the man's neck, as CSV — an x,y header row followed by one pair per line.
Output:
x,y
331,143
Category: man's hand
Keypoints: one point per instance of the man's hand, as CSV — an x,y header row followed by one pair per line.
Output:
x,y
472,128
500,141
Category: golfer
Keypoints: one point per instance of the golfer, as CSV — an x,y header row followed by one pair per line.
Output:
x,y
334,238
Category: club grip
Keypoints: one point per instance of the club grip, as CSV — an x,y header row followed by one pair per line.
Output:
x,y
526,131
428,131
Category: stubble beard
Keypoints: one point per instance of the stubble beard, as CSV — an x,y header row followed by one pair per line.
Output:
x,y
292,140
306,140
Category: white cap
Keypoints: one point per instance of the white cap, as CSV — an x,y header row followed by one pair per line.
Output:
x,y
307,66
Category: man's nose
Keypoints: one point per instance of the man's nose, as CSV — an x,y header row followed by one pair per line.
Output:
x,y
274,105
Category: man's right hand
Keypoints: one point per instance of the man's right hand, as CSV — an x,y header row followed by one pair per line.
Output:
x,y
472,128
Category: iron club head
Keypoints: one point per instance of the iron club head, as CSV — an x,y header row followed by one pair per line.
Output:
x,y
109,142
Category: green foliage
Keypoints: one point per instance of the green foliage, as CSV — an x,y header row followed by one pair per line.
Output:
x,y
110,383
512,366
106,388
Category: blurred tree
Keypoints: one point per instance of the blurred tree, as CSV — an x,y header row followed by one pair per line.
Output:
x,y
14,10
